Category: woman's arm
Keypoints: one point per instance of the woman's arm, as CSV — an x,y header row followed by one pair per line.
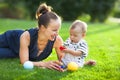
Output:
x,y
24,51
58,43
24,43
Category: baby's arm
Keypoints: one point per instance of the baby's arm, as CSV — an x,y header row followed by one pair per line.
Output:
x,y
73,52
80,49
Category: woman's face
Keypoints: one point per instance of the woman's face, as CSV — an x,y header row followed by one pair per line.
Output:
x,y
53,29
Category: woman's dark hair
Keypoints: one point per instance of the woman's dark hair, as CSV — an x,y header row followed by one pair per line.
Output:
x,y
44,15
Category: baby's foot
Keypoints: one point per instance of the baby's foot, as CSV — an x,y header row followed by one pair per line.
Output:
x,y
91,62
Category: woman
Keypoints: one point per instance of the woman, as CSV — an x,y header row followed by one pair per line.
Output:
x,y
34,44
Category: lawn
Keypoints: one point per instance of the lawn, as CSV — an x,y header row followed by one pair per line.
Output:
x,y
104,47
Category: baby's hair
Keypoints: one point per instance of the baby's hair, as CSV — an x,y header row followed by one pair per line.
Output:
x,y
81,24
44,14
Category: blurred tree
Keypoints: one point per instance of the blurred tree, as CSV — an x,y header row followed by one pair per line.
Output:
x,y
69,10
98,10
32,6
13,9
117,9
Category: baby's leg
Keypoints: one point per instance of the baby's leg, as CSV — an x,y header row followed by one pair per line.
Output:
x,y
7,53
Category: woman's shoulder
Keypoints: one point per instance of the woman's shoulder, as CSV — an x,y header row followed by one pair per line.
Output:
x,y
30,33
32,30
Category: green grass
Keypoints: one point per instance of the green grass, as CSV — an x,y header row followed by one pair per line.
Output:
x,y
104,43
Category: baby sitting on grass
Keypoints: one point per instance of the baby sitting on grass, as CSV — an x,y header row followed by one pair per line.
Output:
x,y
75,47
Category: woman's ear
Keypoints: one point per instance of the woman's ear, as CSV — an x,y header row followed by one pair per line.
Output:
x,y
42,28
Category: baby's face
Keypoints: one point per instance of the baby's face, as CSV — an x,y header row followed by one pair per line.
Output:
x,y
75,35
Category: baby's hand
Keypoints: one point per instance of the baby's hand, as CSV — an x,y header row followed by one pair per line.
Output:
x,y
64,49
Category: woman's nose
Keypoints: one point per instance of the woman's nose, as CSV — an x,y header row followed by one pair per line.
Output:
x,y
55,33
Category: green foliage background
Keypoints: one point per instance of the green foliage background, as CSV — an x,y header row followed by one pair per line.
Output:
x,y
98,10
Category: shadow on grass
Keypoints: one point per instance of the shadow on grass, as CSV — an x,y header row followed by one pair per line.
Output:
x,y
15,71
11,69
41,74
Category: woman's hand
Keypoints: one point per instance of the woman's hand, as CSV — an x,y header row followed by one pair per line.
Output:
x,y
53,65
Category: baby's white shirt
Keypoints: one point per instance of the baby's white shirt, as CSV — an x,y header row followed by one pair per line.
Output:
x,y
80,46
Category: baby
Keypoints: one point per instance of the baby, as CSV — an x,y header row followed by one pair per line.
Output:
x,y
75,47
